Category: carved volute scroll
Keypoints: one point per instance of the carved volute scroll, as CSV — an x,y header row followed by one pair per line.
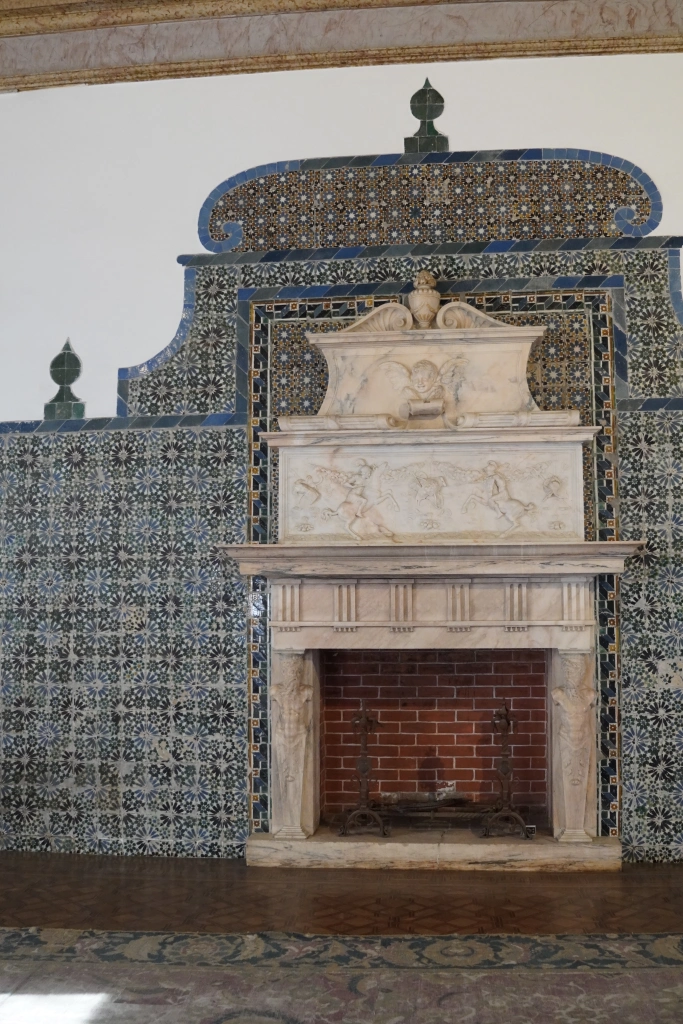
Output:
x,y
461,315
392,316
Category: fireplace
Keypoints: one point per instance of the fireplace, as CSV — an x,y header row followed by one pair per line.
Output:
x,y
435,733
431,514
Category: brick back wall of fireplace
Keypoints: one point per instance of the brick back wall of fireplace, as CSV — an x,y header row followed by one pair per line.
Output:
x,y
435,710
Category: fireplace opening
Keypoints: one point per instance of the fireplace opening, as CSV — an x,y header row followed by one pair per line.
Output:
x,y
435,733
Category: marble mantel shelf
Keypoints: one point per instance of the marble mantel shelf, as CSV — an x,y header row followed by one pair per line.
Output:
x,y
334,436
436,561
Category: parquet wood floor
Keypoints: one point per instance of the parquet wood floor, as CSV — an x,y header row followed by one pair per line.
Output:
x,y
157,894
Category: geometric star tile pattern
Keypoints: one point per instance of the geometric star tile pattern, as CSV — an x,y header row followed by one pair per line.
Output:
x,y
432,202
123,726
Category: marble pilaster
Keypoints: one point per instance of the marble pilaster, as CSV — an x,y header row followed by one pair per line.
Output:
x,y
573,697
295,744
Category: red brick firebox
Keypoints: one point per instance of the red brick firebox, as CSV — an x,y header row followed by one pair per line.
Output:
x,y
435,710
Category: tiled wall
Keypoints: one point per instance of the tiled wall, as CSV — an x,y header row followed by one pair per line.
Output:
x,y
434,710
133,668
123,684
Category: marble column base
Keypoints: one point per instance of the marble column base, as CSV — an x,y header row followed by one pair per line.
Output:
x,y
437,851
574,835
290,832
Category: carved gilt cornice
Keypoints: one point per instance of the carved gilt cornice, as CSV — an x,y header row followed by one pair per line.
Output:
x,y
24,18
63,44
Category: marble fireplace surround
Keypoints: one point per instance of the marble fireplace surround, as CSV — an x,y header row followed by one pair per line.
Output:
x,y
495,597
430,504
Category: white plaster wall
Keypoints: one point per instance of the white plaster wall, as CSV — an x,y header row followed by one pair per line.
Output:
x,y
100,186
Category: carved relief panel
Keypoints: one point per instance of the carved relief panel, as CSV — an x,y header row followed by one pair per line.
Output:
x,y
460,492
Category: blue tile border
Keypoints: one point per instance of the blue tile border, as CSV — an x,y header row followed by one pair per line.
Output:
x,y
117,423
675,283
623,217
127,373
526,245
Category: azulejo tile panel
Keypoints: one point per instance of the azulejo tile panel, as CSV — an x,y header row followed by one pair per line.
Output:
x,y
651,473
432,199
124,702
133,714
199,377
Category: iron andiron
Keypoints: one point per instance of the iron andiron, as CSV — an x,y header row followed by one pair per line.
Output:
x,y
363,817
503,819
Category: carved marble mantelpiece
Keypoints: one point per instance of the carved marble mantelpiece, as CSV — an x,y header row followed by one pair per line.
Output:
x,y
428,431
486,596
430,504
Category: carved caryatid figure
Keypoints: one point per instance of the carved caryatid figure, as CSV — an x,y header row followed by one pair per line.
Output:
x,y
291,695
574,701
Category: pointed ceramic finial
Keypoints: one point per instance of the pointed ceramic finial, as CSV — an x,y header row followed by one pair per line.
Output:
x,y
65,368
426,105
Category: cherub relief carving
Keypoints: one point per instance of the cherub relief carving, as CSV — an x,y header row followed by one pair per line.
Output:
x,y
371,500
425,388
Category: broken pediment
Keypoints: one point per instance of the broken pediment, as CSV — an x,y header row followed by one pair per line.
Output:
x,y
423,312
425,365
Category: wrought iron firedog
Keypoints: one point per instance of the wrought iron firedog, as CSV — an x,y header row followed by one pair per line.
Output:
x,y
503,819
363,817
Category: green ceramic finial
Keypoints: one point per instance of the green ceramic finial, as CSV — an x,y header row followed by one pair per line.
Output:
x,y
427,104
65,368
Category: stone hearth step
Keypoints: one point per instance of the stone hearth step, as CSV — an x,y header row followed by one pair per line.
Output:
x,y
456,850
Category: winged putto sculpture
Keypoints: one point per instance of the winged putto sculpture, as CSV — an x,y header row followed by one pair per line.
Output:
x,y
426,390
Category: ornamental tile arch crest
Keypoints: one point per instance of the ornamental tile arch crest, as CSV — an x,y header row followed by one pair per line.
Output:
x,y
401,199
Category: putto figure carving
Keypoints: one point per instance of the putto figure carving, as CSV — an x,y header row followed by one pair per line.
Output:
x,y
425,388
354,497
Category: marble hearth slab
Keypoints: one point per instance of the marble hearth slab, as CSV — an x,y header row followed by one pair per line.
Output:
x,y
433,560
442,851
